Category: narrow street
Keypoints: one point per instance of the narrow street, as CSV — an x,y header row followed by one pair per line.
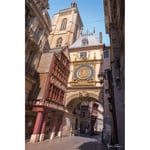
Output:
x,y
74,78
69,143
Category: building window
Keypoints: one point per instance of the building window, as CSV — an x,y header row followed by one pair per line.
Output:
x,y
83,114
59,42
63,24
107,91
85,42
38,33
31,57
106,54
83,54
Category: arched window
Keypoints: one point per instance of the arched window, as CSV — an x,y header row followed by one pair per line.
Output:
x,y
59,42
63,24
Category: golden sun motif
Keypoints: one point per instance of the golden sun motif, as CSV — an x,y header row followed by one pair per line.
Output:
x,y
83,72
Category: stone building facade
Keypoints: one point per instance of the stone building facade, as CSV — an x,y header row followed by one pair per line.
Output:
x,y
66,31
49,104
45,104
66,27
37,30
114,22
83,83
108,130
66,67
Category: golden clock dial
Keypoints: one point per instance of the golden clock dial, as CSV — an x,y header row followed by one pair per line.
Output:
x,y
84,72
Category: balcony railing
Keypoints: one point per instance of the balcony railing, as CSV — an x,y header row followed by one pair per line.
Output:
x,y
39,102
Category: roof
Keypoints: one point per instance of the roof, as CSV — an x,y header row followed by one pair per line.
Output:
x,y
45,62
61,49
55,50
89,38
46,58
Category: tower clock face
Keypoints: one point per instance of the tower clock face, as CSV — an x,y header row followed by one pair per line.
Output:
x,y
83,72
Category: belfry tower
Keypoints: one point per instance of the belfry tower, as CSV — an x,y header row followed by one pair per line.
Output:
x,y
66,27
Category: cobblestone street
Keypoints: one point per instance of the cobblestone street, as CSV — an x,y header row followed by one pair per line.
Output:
x,y
69,143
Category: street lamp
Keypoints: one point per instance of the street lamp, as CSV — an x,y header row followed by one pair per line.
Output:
x,y
101,77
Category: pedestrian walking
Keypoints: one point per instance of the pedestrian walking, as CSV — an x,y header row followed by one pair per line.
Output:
x,y
78,131
86,131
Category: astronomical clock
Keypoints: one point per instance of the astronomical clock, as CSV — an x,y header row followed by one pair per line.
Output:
x,y
83,74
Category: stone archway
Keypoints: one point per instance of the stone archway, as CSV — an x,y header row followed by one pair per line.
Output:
x,y
81,94
73,115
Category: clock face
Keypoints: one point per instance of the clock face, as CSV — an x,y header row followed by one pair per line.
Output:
x,y
83,72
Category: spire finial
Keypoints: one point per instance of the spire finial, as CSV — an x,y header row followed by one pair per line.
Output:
x,y
94,30
74,4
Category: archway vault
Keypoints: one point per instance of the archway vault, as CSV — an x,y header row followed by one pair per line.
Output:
x,y
81,114
80,96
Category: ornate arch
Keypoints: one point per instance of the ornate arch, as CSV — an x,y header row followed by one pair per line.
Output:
x,y
81,95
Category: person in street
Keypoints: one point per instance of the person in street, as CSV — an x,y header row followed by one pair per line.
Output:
x,y
78,131
86,131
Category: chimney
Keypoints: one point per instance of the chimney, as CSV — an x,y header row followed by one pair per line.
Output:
x,y
100,37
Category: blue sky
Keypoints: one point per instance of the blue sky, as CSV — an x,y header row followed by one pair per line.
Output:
x,y
91,12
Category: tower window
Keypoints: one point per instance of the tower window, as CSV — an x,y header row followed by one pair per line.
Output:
x,y
63,24
59,42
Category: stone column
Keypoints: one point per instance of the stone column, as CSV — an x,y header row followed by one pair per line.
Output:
x,y
43,128
53,126
60,127
35,135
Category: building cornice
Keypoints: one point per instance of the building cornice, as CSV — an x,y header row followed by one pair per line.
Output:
x,y
85,88
96,47
87,61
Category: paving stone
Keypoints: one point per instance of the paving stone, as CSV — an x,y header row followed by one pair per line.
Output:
x,y
69,143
